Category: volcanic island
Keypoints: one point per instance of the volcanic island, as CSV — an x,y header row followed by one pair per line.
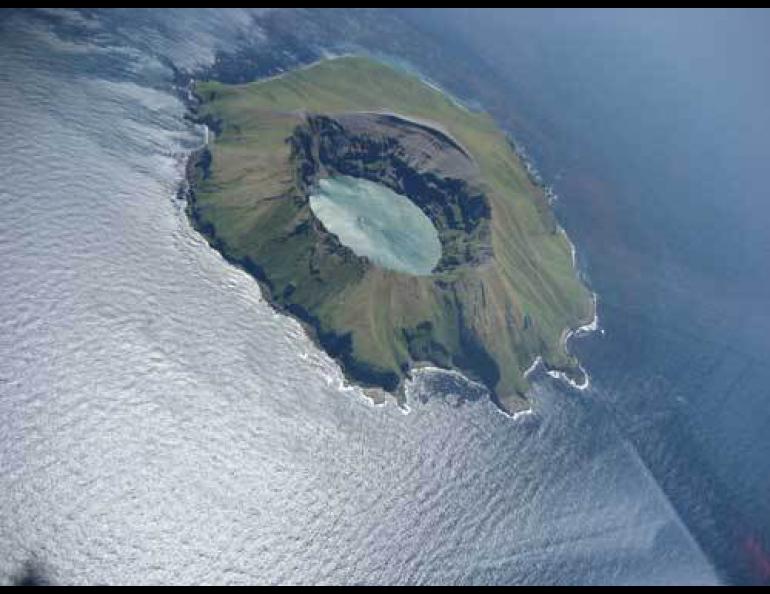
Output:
x,y
399,227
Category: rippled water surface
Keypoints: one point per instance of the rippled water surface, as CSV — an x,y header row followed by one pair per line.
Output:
x,y
160,423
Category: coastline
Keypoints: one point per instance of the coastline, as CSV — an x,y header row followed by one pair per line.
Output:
x,y
583,330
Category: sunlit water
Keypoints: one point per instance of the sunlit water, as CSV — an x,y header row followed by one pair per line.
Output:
x,y
160,423
376,222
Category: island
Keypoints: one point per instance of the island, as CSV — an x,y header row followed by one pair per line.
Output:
x,y
398,226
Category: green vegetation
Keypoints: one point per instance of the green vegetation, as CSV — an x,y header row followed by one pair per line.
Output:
x,y
504,290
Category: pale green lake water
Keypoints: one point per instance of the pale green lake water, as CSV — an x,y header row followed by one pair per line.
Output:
x,y
376,222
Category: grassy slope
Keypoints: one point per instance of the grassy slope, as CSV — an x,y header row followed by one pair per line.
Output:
x,y
531,272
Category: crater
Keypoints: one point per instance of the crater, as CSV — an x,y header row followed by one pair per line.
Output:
x,y
348,162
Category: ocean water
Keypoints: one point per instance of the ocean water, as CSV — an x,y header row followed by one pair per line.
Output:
x,y
376,222
652,128
160,423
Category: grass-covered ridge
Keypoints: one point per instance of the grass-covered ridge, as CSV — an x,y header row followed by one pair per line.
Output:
x,y
505,289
